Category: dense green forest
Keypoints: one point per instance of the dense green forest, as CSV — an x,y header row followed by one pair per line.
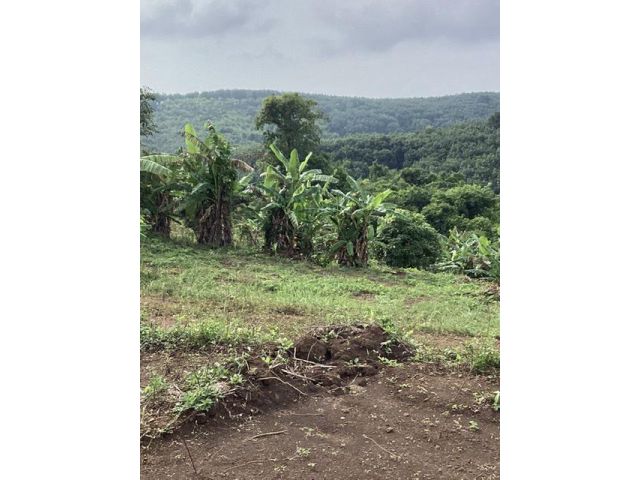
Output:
x,y
471,149
234,112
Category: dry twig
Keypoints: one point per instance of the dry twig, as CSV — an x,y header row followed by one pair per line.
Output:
x,y
380,446
286,383
268,434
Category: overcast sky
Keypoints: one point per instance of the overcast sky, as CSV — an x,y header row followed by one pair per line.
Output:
x,y
381,48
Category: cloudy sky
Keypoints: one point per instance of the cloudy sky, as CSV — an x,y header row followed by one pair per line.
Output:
x,y
370,48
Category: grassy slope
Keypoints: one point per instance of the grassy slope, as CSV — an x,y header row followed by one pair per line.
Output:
x,y
182,285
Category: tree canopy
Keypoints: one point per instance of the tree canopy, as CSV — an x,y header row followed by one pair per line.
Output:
x,y
290,121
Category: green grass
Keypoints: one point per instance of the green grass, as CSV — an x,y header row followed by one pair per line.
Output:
x,y
192,296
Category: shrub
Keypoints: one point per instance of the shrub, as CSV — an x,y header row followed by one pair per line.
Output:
x,y
472,254
458,207
406,240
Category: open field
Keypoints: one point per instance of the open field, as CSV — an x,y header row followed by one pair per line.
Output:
x,y
183,285
236,344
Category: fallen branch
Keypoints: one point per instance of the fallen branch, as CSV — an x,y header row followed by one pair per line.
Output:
x,y
320,365
286,383
268,434
380,446
294,374
195,470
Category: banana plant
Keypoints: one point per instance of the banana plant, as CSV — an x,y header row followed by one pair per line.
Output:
x,y
352,214
159,184
294,198
472,254
208,180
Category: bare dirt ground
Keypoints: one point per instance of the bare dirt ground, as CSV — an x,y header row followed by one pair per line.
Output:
x,y
412,421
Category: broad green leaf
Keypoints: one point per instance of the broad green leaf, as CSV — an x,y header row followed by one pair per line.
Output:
x,y
293,164
151,165
379,198
189,139
279,155
303,165
350,248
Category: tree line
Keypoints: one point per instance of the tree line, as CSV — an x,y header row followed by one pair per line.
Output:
x,y
301,206
233,112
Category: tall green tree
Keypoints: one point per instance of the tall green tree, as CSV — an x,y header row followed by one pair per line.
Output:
x,y
290,121
147,124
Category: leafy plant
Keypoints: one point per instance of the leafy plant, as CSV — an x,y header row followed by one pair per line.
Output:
x,y
405,240
211,175
472,254
157,386
352,214
389,362
159,183
205,388
292,214
303,452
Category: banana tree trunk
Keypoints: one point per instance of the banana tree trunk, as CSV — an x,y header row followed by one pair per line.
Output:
x,y
280,234
360,255
161,223
214,225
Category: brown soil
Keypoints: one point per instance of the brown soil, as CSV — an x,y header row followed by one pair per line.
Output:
x,y
409,422
334,418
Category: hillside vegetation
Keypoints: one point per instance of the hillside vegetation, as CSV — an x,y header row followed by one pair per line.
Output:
x,y
234,113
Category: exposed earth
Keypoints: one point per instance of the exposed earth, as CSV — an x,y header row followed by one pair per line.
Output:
x,y
343,414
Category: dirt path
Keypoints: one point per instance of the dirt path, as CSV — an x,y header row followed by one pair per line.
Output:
x,y
407,422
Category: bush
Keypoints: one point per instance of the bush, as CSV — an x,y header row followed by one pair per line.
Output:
x,y
472,254
406,240
458,207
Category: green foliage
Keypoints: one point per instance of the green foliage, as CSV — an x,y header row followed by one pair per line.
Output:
x,y
294,196
235,112
405,240
159,183
352,213
289,122
482,357
465,207
198,335
210,174
147,125
204,389
472,254
155,388
232,297
471,149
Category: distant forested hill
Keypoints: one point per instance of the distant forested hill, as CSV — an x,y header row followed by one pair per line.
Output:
x,y
234,111
471,149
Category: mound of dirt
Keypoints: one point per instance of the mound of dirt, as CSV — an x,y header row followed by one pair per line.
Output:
x,y
357,344
325,358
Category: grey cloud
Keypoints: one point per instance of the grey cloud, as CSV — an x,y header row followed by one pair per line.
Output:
x,y
381,25
198,18
358,47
